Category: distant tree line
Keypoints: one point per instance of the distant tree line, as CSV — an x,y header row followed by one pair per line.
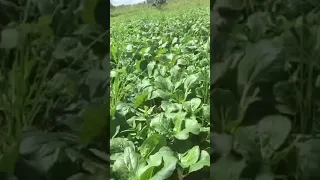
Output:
x,y
111,5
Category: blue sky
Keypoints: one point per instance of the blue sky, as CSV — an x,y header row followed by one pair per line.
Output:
x,y
120,2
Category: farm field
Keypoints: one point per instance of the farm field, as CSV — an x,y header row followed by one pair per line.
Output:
x,y
159,92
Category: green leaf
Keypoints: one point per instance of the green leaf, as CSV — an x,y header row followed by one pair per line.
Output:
x,y
94,122
190,157
246,142
273,131
191,126
224,108
218,70
309,159
221,143
141,98
161,124
147,173
150,67
64,46
130,159
9,38
174,71
190,80
166,156
258,24
175,39
95,78
30,145
194,103
119,144
227,168
44,28
169,107
129,48
127,164
203,161
261,61
152,144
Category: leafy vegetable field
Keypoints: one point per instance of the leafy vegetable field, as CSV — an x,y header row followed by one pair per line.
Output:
x,y
160,121
265,90
53,90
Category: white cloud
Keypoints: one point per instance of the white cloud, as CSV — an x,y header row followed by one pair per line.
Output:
x,y
126,2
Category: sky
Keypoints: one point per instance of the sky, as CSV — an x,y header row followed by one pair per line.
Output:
x,y
125,2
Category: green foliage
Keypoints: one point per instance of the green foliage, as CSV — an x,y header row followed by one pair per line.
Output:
x,y
160,96
264,92
54,91
111,6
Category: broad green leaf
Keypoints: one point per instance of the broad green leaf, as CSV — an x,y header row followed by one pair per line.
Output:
x,y
224,108
161,124
147,173
150,67
190,157
119,144
119,169
308,159
152,144
95,78
64,46
141,98
169,107
178,120
166,157
259,25
9,38
94,122
175,39
129,48
218,70
127,164
203,161
190,80
273,131
32,144
227,168
194,103
246,142
174,71
221,143
191,126
130,159
261,61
